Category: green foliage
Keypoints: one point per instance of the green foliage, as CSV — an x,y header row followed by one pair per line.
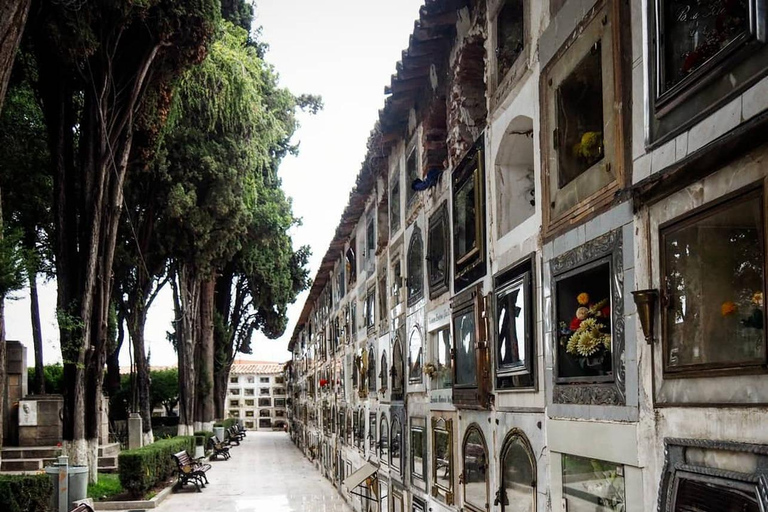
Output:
x,y
164,389
12,263
53,375
145,467
25,493
205,436
107,486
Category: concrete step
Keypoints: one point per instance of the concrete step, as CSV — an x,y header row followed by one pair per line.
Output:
x,y
109,450
107,462
21,465
31,452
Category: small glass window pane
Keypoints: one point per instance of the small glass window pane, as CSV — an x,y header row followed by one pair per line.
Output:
x,y
443,377
370,240
713,496
412,174
466,370
415,268
465,219
591,485
397,369
417,449
510,319
394,206
384,440
695,31
395,445
437,259
475,469
714,269
518,478
584,323
415,356
384,370
510,35
579,107
442,459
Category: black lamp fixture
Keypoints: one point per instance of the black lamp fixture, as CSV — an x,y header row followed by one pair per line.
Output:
x,y
645,301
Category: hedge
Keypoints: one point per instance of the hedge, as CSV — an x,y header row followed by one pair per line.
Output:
x,y
206,436
143,468
25,493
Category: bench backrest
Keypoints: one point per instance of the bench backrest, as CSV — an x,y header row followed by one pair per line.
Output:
x,y
183,458
83,507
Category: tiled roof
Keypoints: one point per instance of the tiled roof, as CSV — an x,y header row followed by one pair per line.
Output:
x,y
242,367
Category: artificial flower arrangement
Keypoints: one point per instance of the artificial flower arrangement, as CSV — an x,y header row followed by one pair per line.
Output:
x,y
430,369
751,315
323,383
588,336
589,148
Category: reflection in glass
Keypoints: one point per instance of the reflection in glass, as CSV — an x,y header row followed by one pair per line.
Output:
x,y
443,470
592,485
475,469
579,107
464,327
464,222
714,268
384,370
397,369
510,319
415,356
417,449
437,259
715,496
510,35
443,377
383,497
384,440
518,478
394,206
697,30
395,445
415,262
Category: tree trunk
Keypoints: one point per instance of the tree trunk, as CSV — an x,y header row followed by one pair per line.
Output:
x,y
137,319
2,347
207,409
186,301
113,358
37,335
13,17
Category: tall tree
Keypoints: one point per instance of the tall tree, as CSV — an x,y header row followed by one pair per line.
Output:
x,y
13,17
231,125
96,60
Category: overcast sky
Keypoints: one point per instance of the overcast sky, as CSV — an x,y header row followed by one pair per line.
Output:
x,y
343,50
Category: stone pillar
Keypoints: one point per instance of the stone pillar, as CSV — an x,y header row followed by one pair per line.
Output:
x,y
134,431
15,389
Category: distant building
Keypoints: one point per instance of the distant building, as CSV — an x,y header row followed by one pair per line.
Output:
x,y
256,394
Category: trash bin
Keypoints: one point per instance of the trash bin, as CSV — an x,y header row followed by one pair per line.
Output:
x,y
73,487
219,433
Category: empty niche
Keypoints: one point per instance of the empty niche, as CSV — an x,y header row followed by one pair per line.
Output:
x,y
514,176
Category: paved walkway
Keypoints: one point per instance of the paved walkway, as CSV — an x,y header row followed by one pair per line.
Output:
x,y
266,473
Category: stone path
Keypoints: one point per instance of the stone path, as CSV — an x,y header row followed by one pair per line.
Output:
x,y
266,473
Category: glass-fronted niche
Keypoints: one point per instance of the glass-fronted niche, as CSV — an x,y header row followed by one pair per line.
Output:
x,y
703,52
442,459
470,376
418,447
713,476
469,259
474,470
517,491
583,127
591,485
440,368
437,252
587,295
713,270
515,339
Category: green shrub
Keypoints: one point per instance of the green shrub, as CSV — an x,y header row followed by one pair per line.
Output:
x,y
25,493
206,436
229,422
164,432
143,468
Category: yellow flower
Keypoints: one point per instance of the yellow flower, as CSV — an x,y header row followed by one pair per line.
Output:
x,y
757,299
583,298
582,313
728,308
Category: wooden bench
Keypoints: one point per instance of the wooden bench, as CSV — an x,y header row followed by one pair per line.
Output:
x,y
235,435
219,448
191,470
83,507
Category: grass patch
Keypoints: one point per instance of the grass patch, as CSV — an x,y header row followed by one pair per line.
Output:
x,y
108,486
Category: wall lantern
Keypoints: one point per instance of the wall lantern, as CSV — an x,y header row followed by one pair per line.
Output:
x,y
645,301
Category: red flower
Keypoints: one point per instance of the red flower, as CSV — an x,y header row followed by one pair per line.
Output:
x,y
575,323
323,383
606,311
